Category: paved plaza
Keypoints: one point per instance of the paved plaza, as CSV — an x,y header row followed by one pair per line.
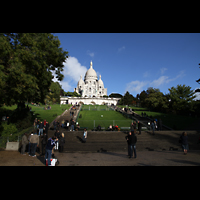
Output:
x,y
144,158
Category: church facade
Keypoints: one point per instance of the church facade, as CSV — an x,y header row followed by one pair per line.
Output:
x,y
92,91
91,86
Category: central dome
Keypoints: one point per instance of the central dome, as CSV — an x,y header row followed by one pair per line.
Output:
x,y
91,74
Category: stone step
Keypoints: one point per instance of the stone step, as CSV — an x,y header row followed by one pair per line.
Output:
x,y
115,141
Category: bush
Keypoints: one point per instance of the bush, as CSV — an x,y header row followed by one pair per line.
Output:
x,y
10,131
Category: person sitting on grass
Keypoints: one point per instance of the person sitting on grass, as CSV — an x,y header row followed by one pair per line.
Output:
x,y
98,127
116,128
110,128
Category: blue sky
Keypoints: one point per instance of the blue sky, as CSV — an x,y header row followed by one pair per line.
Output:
x,y
133,61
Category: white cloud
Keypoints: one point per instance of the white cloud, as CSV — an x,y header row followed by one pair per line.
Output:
x,y
66,86
136,86
162,70
73,69
54,79
160,81
91,54
166,79
72,72
121,49
197,95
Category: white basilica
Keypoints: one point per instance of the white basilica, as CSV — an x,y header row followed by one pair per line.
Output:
x,y
91,86
92,91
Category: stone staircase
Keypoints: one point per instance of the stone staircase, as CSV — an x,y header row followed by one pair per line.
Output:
x,y
114,141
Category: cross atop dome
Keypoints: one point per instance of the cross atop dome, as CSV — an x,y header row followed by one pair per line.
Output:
x,y
91,64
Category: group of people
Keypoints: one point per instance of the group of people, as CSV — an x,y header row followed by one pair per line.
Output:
x,y
69,125
155,125
41,126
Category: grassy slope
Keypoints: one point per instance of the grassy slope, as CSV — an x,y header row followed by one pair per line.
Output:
x,y
177,122
42,114
109,117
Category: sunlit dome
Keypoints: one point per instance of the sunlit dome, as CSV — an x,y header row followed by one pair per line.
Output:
x,y
91,73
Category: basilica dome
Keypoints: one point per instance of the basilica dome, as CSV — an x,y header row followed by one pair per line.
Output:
x,y
100,82
91,74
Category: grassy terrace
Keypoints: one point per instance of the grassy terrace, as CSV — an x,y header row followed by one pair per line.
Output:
x,y
177,122
93,115
40,112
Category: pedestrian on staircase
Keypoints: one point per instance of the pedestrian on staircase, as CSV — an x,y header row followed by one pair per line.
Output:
x,y
184,141
84,135
61,142
131,140
72,125
153,127
24,143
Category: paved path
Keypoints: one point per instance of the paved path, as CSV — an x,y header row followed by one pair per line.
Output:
x,y
144,158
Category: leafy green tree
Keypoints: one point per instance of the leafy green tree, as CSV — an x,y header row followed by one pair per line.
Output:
x,y
55,92
156,100
72,94
128,99
143,95
181,97
26,64
115,95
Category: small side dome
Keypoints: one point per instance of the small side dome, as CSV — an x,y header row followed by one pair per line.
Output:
x,y
100,82
80,82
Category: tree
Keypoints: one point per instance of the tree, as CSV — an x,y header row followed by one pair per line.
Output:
x,y
128,99
54,93
72,94
115,95
143,95
181,97
26,64
156,100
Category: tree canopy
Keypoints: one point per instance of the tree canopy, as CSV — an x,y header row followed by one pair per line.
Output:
x,y
180,97
27,61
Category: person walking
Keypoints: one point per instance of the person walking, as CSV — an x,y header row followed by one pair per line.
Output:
x,y
34,140
153,127
24,143
184,141
72,125
131,140
50,144
61,142
132,126
84,135
41,126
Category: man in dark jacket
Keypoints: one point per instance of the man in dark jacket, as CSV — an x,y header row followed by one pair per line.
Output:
x,y
41,126
50,144
131,140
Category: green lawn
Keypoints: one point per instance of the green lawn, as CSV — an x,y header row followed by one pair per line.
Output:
x,y
49,115
177,122
42,114
101,115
